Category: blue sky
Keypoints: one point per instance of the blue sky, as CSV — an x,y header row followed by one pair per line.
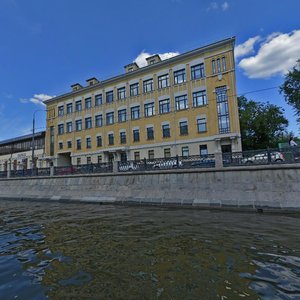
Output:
x,y
45,46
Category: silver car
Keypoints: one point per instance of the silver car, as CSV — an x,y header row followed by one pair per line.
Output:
x,y
261,158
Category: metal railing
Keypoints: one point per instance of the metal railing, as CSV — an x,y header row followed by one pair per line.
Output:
x,y
244,158
3,174
262,157
30,172
177,162
84,169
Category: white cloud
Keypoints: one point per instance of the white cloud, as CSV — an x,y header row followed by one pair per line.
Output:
x,y
215,6
225,6
141,58
247,47
37,99
277,54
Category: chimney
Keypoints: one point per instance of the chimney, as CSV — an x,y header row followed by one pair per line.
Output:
x,y
131,67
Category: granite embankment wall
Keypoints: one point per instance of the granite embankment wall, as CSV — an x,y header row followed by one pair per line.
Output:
x,y
264,187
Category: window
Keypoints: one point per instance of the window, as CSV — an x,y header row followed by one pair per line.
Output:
x,y
203,150
137,156
78,106
121,93
136,135
61,110
167,153
135,113
222,106
148,85
149,109
201,125
88,143
99,141
224,63
78,124
88,160
109,97
179,76
110,118
197,71
78,144
60,145
134,89
164,106
88,123
122,115
185,151
88,103
183,126
123,137
219,65
98,121
110,139
61,129
69,127
99,159
181,102
199,98
69,108
166,130
78,161
150,154
98,100
150,133
69,144
163,81
123,156
51,140
213,63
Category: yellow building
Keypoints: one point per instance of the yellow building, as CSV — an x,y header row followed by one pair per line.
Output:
x,y
185,105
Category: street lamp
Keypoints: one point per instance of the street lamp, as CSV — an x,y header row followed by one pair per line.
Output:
x,y
33,126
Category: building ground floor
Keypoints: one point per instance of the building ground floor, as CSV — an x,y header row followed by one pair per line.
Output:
x,y
23,160
210,145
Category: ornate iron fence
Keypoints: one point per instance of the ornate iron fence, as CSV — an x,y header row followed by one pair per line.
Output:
x,y
3,174
177,162
84,169
245,158
262,157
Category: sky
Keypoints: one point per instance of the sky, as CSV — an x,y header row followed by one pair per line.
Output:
x,y
48,45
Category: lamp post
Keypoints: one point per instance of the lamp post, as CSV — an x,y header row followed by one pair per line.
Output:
x,y
32,142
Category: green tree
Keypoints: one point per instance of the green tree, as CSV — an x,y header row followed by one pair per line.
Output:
x,y
262,124
291,89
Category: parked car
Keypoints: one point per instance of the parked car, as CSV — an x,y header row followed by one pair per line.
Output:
x,y
207,162
64,170
167,164
259,158
129,166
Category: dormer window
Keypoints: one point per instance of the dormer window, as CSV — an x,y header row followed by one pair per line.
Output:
x,y
76,86
131,67
153,59
92,81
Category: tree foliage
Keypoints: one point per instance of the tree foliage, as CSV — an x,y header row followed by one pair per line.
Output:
x,y
291,89
262,124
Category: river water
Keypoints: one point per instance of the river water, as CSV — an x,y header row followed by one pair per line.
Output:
x,y
87,251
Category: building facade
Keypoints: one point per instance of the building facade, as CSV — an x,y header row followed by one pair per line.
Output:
x,y
16,153
185,105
